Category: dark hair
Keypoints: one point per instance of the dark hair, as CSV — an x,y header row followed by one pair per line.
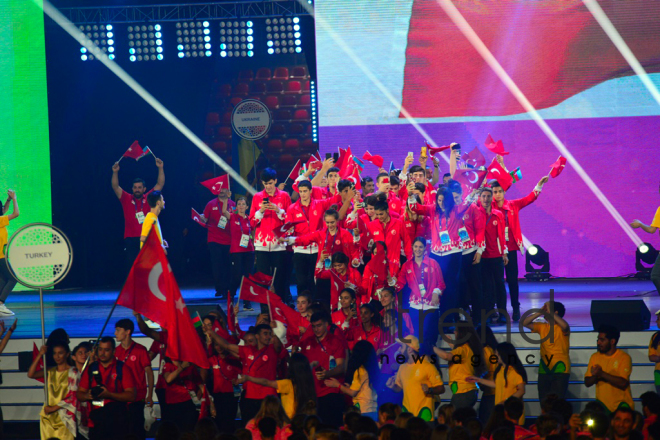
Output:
x,y
651,401
496,420
167,431
305,184
206,429
447,202
461,415
489,340
332,170
311,424
504,432
371,200
320,316
378,177
367,179
564,409
300,374
209,317
126,324
258,328
474,427
458,433
400,434
559,308
86,345
331,213
365,424
153,198
610,331
548,401
475,345
454,186
140,180
307,294
364,355
351,416
420,187
340,258
343,184
421,240
446,174
239,198
385,431
493,183
507,352
415,169
514,408
394,180
418,428
601,425
108,340
267,427
625,410
389,409
349,291
485,189
546,423
268,174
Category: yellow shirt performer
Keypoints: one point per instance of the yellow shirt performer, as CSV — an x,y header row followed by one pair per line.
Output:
x,y
419,380
555,364
465,359
156,202
609,369
651,229
7,281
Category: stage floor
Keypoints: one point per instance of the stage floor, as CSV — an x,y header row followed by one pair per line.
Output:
x,y
82,313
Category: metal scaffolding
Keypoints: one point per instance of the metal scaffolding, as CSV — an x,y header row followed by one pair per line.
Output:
x,y
167,13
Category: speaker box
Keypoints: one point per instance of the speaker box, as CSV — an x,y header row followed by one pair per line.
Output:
x,y
627,315
24,361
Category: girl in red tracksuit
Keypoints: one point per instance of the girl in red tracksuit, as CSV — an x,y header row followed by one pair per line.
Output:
x,y
341,276
241,250
446,249
376,274
393,233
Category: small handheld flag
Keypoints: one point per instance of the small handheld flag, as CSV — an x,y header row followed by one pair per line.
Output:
x,y
197,320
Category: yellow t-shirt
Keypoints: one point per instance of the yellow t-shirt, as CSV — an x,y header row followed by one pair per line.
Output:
x,y
554,355
460,370
506,388
149,221
619,364
656,219
366,399
287,396
4,221
410,378
491,365
655,352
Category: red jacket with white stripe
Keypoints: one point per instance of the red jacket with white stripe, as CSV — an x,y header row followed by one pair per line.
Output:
x,y
511,208
495,244
339,282
394,234
313,216
265,223
474,223
439,222
343,240
432,280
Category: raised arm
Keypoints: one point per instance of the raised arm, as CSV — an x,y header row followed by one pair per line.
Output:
x,y
436,171
258,380
652,228
5,339
16,212
32,371
160,182
327,164
223,343
115,180
144,328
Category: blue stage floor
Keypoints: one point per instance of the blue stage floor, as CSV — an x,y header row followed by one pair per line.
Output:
x,y
82,313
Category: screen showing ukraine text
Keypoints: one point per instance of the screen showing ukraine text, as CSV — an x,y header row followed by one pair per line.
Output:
x,y
383,65
24,149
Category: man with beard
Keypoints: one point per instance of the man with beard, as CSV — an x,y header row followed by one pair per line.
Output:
x,y
609,369
135,209
623,423
156,203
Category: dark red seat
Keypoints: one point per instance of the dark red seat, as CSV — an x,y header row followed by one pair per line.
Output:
x,y
272,102
296,129
281,73
219,146
257,87
301,115
242,89
291,144
264,73
305,100
275,87
282,115
213,118
293,87
299,72
224,131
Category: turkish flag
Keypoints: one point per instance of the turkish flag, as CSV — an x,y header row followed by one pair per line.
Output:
x,y
197,218
474,158
495,147
151,290
342,157
470,179
286,315
296,171
558,167
314,163
40,364
355,178
374,159
261,278
286,228
435,150
135,151
216,184
251,291
231,318
495,171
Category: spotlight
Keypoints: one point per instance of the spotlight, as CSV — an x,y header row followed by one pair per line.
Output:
x,y
537,264
645,255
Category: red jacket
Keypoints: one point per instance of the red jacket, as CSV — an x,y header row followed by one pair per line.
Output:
x,y
432,280
339,319
339,282
358,333
474,225
440,223
313,216
265,224
394,234
420,228
343,241
495,244
239,226
511,208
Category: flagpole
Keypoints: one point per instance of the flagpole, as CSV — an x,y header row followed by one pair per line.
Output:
x,y
240,290
152,153
120,159
102,330
270,312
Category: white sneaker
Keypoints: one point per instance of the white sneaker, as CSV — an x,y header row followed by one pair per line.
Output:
x,y
149,323
4,311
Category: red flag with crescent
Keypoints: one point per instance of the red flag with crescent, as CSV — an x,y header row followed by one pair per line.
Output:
x,y
474,158
431,150
152,290
495,147
497,172
217,184
261,278
197,218
558,167
251,291
470,179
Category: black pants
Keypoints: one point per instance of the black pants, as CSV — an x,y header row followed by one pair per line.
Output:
x,y
304,264
110,422
249,408
136,419
331,409
242,264
226,405
160,393
655,274
267,262
492,273
511,270
471,291
7,281
556,383
220,266
450,265
131,251
184,415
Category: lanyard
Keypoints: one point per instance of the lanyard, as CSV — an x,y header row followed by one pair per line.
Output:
x,y
240,221
305,210
128,353
330,247
322,347
141,205
257,357
216,359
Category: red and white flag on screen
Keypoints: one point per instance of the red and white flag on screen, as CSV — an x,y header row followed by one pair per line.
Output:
x,y
217,184
197,218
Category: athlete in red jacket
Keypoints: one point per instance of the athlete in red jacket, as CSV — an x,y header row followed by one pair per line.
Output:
x,y
393,233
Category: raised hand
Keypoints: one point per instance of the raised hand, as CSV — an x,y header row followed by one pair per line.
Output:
x,y
159,163
115,167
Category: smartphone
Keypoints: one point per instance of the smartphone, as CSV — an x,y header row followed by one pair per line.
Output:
x,y
410,154
328,155
335,156
266,200
423,152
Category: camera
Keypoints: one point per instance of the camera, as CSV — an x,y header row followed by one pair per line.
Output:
x,y
98,388
96,392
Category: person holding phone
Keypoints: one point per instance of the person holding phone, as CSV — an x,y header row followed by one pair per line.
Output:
x,y
267,213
